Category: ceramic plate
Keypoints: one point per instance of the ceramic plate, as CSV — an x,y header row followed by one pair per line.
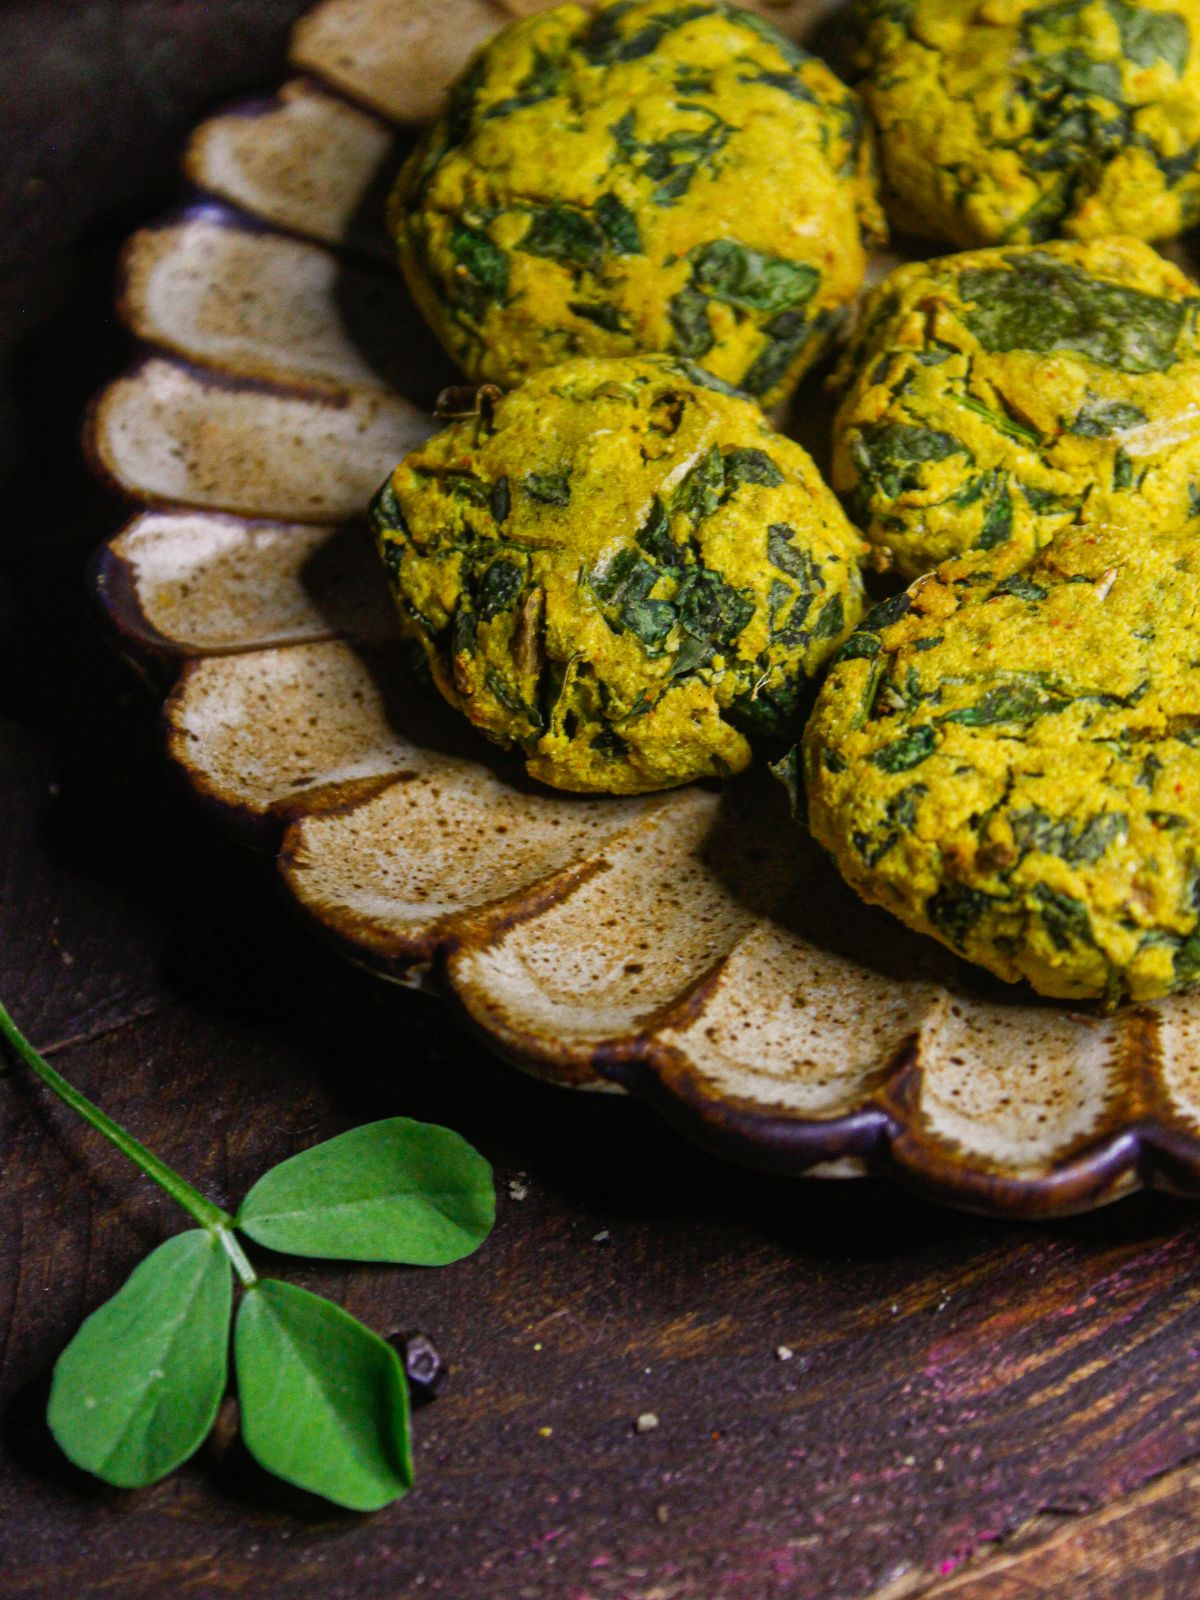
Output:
x,y
693,947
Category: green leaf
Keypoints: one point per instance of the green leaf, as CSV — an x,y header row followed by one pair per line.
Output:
x,y
1100,419
832,619
655,535
1060,836
787,82
511,699
485,266
703,379
324,1401
600,312
1001,422
889,611
1022,588
460,485
649,620
542,82
673,160
699,493
612,581
1065,918
751,466
788,631
606,43
625,586
548,488
1039,303
889,456
395,1190
956,908
136,1390
619,224
786,335
1150,36
690,325
862,645
908,751
1022,698
998,519
713,613
1044,499
783,552
564,234
752,279
499,587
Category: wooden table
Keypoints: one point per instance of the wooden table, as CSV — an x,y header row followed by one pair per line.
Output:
x,y
966,1408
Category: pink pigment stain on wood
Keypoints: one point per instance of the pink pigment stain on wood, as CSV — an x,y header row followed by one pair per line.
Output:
x,y
1020,1342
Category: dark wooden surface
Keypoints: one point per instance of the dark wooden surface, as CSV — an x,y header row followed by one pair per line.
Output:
x,y
971,1408
98,94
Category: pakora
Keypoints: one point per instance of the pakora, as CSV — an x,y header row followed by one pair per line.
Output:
x,y
1013,121
643,177
996,397
1008,758
622,569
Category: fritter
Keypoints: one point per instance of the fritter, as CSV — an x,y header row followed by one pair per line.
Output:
x,y
621,568
1008,758
1009,121
996,397
645,177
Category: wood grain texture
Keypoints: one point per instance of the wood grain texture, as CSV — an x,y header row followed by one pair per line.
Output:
x,y
950,1378
1147,1544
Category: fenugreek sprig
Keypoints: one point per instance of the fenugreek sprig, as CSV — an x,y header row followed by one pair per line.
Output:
x,y
323,1400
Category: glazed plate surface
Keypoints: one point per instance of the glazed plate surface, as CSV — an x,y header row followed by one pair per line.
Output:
x,y
693,947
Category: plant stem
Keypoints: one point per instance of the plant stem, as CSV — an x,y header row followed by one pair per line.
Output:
x,y
192,1201
237,1255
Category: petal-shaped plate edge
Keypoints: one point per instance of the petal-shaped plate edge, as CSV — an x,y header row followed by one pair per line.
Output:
x,y
1153,1145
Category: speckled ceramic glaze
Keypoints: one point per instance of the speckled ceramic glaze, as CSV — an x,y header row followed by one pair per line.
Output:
x,y
691,947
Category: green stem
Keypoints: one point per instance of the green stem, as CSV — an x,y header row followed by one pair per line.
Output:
x,y
237,1255
192,1201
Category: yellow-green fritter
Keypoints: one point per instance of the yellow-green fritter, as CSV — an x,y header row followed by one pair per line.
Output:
x,y
996,397
1009,760
622,569
644,177
1011,121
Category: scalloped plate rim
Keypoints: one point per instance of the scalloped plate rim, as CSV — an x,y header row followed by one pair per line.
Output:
x,y
1151,1149
1101,1168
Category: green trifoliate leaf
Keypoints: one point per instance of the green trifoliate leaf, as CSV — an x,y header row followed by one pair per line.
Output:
x,y
324,1401
395,1190
136,1390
